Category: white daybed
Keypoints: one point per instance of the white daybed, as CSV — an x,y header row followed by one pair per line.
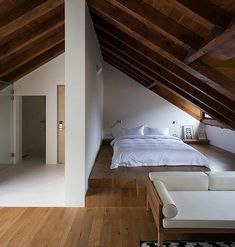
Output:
x,y
192,202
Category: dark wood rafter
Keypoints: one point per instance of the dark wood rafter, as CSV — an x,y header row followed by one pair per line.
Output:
x,y
139,9
205,11
24,14
34,32
162,57
30,52
136,28
105,31
35,62
190,94
208,74
211,45
158,88
155,67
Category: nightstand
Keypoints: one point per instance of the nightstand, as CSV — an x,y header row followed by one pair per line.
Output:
x,y
196,141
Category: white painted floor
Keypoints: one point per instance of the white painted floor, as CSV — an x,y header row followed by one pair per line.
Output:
x,y
32,184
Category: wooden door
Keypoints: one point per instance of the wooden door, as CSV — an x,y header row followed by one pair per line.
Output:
x,y
61,124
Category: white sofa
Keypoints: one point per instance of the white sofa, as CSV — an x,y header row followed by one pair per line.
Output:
x,y
192,202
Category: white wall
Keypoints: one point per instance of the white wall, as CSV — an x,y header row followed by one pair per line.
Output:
x,y
127,100
75,102
94,96
222,138
5,126
43,82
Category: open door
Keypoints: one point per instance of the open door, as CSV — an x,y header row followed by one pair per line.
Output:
x,y
60,124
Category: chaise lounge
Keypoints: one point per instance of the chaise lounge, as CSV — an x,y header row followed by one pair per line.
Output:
x,y
192,202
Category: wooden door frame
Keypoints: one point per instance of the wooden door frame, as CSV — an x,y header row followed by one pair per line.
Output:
x,y
58,86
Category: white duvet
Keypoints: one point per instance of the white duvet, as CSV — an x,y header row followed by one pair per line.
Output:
x,y
154,150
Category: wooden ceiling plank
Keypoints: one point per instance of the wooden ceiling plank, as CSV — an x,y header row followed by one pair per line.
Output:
x,y
144,11
173,65
159,74
205,11
16,19
211,45
160,90
35,63
138,29
31,35
36,48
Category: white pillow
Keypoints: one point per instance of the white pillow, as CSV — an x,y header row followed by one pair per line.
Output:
x,y
155,131
169,209
133,131
120,131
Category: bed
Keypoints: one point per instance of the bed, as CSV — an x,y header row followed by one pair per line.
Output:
x,y
154,150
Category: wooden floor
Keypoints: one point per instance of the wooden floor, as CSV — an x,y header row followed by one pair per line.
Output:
x,y
126,186
103,176
115,214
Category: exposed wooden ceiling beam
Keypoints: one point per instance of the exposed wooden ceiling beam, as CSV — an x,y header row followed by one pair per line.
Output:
x,y
215,78
36,48
145,12
159,69
24,14
34,33
158,89
172,64
226,35
36,62
137,29
205,11
193,96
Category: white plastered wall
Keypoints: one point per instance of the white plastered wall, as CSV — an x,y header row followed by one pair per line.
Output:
x,y
75,102
222,138
42,82
94,96
127,100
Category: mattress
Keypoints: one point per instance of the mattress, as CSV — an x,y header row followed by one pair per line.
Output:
x,y
154,150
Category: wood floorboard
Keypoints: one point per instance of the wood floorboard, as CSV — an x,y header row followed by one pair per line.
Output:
x,y
115,214
103,176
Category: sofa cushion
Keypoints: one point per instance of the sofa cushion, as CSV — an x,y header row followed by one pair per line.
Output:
x,y
169,208
181,180
221,180
204,209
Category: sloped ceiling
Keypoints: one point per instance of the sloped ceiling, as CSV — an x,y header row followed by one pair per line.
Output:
x,y
184,50
31,34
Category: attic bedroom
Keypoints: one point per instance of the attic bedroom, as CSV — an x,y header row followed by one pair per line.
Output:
x,y
117,123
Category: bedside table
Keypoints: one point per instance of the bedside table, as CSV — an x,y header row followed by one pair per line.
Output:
x,y
196,141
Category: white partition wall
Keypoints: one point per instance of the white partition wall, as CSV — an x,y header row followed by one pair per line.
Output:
x,y
75,102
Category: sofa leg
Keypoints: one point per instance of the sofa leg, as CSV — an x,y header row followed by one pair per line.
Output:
x,y
160,239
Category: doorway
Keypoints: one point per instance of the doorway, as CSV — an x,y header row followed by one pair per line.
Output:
x,y
34,128
60,124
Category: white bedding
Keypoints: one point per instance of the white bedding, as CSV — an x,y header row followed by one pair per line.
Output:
x,y
154,150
